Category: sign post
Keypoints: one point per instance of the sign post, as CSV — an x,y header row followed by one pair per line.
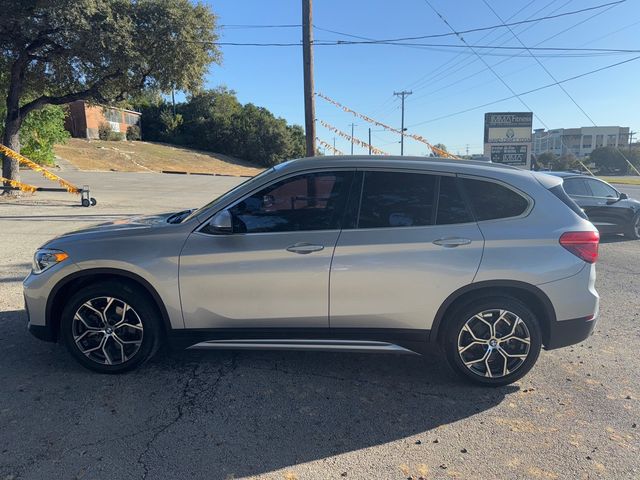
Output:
x,y
507,138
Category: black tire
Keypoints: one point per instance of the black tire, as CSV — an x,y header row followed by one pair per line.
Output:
x,y
93,201
141,309
86,202
634,229
455,331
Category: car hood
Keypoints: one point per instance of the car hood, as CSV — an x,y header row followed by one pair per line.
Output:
x,y
121,226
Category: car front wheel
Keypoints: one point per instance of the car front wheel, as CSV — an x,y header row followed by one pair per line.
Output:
x,y
493,341
110,327
634,228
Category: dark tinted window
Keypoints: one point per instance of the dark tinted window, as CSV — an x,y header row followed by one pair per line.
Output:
x,y
559,192
575,186
391,199
451,206
601,189
491,200
306,202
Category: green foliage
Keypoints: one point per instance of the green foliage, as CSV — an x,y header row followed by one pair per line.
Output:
x,y
133,133
171,123
610,160
546,159
215,120
100,50
40,131
441,146
567,161
109,47
104,131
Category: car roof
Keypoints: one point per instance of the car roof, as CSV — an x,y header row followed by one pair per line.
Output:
x,y
567,174
416,163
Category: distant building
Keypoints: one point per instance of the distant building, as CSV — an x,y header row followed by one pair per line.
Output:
x,y
579,141
85,119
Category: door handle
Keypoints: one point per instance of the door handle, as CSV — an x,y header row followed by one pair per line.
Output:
x,y
452,242
304,248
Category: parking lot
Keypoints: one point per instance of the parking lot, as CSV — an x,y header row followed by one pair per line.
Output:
x,y
298,415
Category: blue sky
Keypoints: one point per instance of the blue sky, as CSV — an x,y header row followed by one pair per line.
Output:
x,y
364,77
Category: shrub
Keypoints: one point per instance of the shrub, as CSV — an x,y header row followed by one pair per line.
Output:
x,y
104,131
133,133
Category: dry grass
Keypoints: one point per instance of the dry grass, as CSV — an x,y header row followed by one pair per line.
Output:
x,y
146,156
627,180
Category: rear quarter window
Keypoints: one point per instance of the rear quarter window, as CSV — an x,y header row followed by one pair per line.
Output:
x,y
492,201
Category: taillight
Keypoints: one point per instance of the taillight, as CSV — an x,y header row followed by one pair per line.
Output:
x,y
583,245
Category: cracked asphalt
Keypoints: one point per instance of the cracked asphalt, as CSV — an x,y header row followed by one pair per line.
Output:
x,y
302,415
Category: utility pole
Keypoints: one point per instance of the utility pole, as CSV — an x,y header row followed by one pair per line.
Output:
x,y
173,100
307,60
352,125
369,140
334,145
402,94
467,149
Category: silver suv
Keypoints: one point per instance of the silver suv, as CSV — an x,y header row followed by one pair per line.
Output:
x,y
375,254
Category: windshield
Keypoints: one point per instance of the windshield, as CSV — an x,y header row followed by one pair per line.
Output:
x,y
226,194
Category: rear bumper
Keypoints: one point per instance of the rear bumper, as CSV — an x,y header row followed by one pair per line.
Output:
x,y
569,332
576,303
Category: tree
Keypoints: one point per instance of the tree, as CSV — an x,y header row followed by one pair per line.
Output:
x,y
564,162
611,159
546,159
59,51
40,131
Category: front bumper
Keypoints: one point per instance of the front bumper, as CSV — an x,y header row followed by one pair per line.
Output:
x,y
36,290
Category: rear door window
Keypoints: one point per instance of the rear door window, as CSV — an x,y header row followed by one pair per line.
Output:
x,y
491,200
451,206
397,199
576,187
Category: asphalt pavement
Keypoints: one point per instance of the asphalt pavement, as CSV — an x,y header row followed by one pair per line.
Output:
x,y
300,415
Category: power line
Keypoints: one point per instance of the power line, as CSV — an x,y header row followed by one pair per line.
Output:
x,y
493,27
464,65
244,26
518,54
541,64
559,85
591,72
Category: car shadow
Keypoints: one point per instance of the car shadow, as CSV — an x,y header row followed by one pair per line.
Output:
x,y
216,414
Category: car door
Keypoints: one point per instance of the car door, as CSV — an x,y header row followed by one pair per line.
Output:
x,y
414,244
272,268
605,212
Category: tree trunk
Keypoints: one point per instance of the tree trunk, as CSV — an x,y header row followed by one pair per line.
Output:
x,y
11,139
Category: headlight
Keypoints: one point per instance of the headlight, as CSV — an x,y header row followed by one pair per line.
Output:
x,y
46,258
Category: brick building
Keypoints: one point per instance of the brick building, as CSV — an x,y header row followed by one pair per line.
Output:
x,y
84,119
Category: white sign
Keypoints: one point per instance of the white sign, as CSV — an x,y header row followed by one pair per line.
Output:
x,y
509,135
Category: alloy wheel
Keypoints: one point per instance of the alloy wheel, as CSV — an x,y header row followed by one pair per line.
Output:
x,y
494,343
107,330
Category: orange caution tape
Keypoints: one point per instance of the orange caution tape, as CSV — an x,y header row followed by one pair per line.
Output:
x,y
71,188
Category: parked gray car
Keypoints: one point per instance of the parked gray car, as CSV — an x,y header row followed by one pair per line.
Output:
x,y
375,254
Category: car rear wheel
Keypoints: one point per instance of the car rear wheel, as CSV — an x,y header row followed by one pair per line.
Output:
x,y
493,342
634,228
111,327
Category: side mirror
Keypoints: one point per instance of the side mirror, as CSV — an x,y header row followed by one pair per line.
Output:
x,y
221,223
623,196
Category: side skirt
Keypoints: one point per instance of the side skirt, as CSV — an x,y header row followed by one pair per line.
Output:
x,y
318,339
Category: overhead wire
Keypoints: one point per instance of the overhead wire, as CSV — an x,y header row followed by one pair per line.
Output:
x,y
552,76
